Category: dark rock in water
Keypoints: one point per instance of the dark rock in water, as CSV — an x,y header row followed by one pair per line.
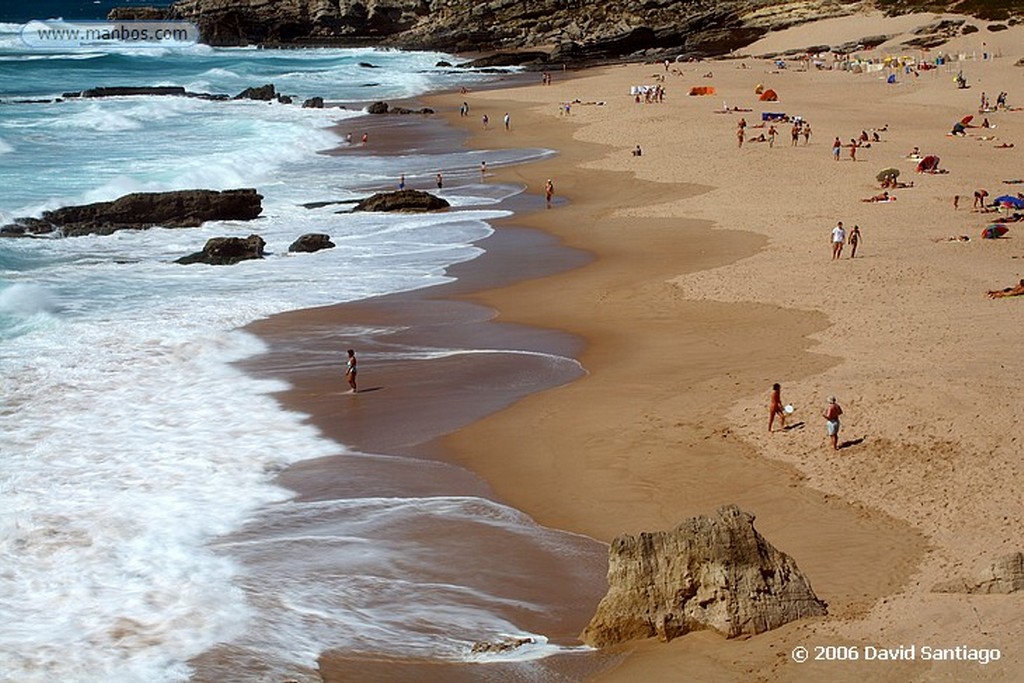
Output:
x,y
312,242
504,645
140,210
713,573
140,14
994,28
367,65
402,200
264,93
313,103
378,108
170,90
285,99
225,251
969,29
443,64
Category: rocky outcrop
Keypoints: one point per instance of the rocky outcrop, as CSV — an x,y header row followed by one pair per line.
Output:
x,y
385,108
226,251
1004,574
507,644
713,573
311,242
263,93
150,91
140,210
402,200
313,103
583,30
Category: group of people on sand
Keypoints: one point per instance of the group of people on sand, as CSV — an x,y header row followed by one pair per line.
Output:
x,y
800,129
839,238
832,412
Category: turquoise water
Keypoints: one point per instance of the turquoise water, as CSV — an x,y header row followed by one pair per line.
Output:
x,y
13,11
130,440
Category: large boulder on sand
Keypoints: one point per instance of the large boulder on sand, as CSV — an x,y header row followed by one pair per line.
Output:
x,y
225,251
402,200
140,210
713,573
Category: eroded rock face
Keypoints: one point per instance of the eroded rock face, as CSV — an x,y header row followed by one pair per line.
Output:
x,y
1004,574
713,573
140,210
402,200
596,31
226,251
312,242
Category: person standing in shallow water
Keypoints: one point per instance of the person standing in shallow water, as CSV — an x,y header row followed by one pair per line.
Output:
x,y
549,192
350,371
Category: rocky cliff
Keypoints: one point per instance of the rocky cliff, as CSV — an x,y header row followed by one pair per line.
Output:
x,y
714,573
575,29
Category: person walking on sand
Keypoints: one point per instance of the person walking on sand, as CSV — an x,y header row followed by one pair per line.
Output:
x,y
350,371
483,170
837,147
853,150
739,136
485,120
838,238
508,121
831,415
807,133
440,181
771,136
775,408
854,240
549,192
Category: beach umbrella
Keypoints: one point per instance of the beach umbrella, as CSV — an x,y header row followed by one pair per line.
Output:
x,y
967,120
1009,200
887,174
994,231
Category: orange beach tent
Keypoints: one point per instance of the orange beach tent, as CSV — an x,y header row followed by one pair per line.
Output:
x,y
702,90
769,95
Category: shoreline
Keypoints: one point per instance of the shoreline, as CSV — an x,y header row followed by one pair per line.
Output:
x,y
679,346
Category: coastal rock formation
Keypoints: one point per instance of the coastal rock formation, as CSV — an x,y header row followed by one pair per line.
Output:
x,y
402,200
714,573
385,108
311,242
226,251
264,93
1004,574
313,103
583,30
140,210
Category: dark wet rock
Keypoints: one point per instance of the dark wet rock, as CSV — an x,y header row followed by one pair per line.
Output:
x,y
313,103
402,200
443,64
226,251
312,242
995,28
367,65
141,210
385,108
285,99
263,93
713,573
969,29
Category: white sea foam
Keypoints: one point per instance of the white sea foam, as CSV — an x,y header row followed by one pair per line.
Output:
x,y
129,440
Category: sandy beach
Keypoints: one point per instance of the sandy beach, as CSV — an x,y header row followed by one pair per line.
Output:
x,y
707,277
713,280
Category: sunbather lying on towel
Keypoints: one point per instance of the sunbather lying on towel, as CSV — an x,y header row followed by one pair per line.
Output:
x,y
1016,290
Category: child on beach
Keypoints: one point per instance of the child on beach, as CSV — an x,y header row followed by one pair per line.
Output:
x,y
775,408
